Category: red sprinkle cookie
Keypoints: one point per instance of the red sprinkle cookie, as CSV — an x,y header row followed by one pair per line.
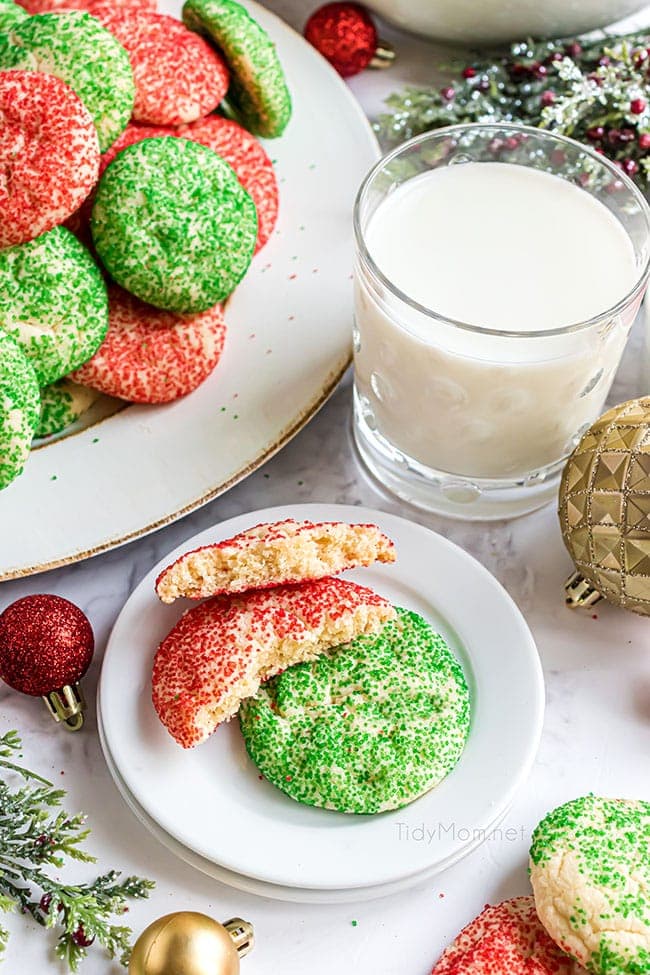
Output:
x,y
150,355
178,76
507,939
54,6
49,154
248,158
219,652
273,555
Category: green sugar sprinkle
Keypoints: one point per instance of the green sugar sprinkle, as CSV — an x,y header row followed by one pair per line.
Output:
x,y
609,840
62,404
54,302
11,14
258,91
20,406
74,47
173,225
368,726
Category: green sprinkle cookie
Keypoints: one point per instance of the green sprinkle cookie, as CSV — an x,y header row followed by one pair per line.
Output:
x,y
590,871
173,225
367,727
258,90
11,14
62,404
75,47
20,405
54,302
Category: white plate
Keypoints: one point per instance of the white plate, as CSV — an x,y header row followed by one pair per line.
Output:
x,y
289,338
301,895
211,800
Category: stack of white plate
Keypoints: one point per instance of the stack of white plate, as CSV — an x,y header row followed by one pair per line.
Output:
x,y
211,807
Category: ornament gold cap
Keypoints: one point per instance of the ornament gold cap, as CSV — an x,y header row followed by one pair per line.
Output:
x,y
580,594
384,56
242,934
67,706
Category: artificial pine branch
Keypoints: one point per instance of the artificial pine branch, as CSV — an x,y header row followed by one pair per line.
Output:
x,y
596,91
35,832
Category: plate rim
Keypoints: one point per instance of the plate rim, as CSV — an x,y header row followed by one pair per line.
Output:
x,y
353,512
263,888
327,386
253,465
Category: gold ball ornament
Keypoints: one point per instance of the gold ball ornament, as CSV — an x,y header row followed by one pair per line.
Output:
x,y
604,510
188,943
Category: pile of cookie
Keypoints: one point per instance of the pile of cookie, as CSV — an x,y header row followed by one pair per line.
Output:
x,y
590,872
130,205
344,701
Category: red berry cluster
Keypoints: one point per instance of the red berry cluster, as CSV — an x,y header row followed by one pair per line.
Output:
x,y
528,86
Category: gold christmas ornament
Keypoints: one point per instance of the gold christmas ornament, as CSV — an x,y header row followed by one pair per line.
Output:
x,y
605,510
188,943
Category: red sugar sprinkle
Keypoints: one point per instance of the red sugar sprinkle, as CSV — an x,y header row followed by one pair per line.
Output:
x,y
248,158
178,76
214,648
507,938
54,6
49,154
150,355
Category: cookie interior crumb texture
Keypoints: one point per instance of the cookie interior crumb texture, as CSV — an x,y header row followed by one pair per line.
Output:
x,y
219,652
271,555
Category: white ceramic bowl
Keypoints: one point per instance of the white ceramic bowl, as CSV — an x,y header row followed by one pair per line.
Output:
x,y
493,21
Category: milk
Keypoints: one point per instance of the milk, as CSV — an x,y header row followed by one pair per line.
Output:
x,y
502,247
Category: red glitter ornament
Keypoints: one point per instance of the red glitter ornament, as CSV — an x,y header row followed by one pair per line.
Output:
x,y
345,35
46,645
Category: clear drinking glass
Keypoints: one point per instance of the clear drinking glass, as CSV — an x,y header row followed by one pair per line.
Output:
x,y
470,421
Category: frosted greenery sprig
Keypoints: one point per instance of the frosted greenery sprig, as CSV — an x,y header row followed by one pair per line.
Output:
x,y
36,833
595,91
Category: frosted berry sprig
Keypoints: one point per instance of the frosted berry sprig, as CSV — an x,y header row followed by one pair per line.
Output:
x,y
596,91
36,833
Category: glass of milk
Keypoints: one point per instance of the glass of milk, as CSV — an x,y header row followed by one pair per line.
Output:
x,y
498,271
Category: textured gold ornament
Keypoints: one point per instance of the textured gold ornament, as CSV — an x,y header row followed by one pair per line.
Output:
x,y
605,510
188,943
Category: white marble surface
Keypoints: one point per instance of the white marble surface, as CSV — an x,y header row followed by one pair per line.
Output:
x,y
596,737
